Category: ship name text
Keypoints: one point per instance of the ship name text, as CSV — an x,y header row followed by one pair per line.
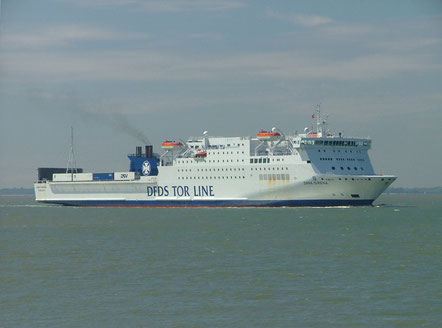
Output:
x,y
180,191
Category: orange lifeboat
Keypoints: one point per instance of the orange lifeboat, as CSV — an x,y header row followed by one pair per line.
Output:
x,y
201,154
171,145
268,135
312,134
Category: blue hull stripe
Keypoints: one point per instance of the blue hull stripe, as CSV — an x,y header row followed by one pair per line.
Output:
x,y
217,203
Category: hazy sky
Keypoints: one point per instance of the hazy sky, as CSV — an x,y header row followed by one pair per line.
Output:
x,y
172,69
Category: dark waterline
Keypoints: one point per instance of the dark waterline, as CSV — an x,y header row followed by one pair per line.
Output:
x,y
211,267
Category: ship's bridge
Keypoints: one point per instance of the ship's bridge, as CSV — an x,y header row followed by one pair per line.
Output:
x,y
336,141
336,155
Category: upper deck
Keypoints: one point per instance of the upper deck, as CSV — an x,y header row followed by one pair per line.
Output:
x,y
273,146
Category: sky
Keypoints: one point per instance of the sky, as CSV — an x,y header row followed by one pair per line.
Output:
x,y
126,72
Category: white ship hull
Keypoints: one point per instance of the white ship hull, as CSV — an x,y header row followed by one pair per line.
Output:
x,y
317,191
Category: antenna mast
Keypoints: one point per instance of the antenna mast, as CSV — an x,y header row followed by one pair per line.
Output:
x,y
321,123
72,164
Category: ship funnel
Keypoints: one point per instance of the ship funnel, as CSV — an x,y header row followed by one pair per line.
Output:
x,y
149,151
138,151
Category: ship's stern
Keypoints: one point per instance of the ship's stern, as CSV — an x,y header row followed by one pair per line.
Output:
x,y
41,189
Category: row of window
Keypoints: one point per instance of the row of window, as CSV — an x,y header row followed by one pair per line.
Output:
x,y
350,159
348,168
252,161
224,146
211,177
338,151
337,143
234,169
223,153
369,179
269,169
274,177
262,177
264,160
341,159
210,170
216,147
210,161
353,179
259,160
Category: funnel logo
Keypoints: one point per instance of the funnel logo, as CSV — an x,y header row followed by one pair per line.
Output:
x,y
146,168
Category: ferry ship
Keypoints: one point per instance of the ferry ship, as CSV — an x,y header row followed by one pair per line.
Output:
x,y
271,169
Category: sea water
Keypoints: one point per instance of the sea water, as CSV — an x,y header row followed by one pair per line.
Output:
x,y
222,267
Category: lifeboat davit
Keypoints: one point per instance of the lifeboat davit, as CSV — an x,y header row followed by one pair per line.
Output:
x,y
268,135
171,145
